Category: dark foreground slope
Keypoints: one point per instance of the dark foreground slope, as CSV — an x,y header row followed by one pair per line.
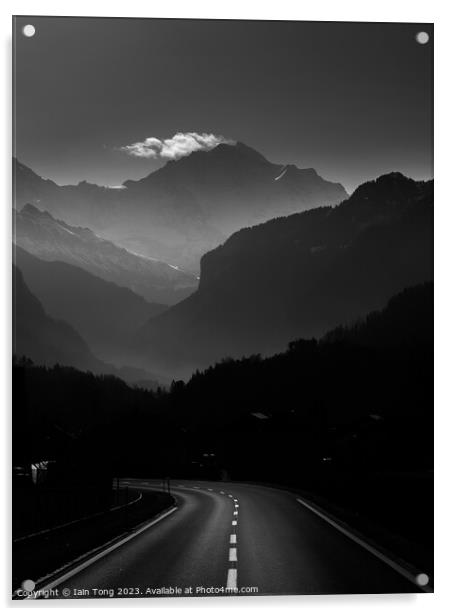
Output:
x,y
48,341
104,313
299,276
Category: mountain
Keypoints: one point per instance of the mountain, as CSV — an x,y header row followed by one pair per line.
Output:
x,y
185,208
47,341
235,186
50,239
104,313
299,276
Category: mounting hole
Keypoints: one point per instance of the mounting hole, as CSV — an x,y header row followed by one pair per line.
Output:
x,y
422,38
28,585
422,579
28,30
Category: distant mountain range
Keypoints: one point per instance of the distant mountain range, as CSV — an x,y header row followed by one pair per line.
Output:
x,y
293,276
187,207
298,277
50,239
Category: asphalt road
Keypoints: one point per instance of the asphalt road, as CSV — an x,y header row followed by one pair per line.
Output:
x,y
238,536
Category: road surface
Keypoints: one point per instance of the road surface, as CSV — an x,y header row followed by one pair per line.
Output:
x,y
225,538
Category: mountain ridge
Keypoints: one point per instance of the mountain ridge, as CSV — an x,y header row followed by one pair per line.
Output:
x,y
186,207
299,276
52,239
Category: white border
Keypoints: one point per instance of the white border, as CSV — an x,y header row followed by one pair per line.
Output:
x,y
328,10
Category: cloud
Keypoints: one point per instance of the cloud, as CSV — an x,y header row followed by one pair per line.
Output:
x,y
181,144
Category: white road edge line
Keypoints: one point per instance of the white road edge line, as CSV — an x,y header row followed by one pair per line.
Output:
x,y
233,539
388,561
100,555
232,555
232,579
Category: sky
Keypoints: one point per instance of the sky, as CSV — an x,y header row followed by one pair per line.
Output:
x,y
352,100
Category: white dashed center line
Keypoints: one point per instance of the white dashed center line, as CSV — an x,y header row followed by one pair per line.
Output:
x,y
231,582
232,579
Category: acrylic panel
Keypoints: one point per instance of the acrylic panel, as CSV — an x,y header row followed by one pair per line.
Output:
x,y
223,308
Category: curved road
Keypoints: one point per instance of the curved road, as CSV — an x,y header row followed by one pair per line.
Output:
x,y
224,536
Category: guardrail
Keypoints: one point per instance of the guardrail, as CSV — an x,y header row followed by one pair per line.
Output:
x,y
77,521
